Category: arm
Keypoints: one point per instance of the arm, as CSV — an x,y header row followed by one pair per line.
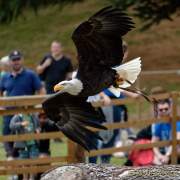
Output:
x,y
36,123
156,149
178,138
2,89
164,159
169,151
41,67
69,70
38,86
106,100
69,76
16,123
41,91
130,94
1,93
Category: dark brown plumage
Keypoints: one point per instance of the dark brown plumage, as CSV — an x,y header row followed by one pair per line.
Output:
x,y
99,46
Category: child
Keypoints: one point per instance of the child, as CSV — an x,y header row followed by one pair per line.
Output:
x,y
22,124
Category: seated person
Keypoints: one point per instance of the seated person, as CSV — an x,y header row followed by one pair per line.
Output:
x,y
141,157
162,131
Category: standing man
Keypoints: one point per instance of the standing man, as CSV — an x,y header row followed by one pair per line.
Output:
x,y
20,81
54,67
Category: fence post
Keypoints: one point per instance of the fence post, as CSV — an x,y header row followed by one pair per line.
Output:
x,y
75,152
139,103
173,126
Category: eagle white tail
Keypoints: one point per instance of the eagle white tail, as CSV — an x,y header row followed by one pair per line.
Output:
x,y
129,71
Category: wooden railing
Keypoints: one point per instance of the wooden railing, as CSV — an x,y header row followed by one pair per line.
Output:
x,y
30,104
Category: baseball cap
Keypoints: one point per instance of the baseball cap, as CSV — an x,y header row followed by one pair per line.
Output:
x,y
14,55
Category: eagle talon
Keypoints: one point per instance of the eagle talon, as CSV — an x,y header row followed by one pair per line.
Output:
x,y
119,81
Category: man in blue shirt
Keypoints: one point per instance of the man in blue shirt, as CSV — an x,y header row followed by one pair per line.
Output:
x,y
20,81
162,132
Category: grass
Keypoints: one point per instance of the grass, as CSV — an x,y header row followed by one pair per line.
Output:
x,y
34,34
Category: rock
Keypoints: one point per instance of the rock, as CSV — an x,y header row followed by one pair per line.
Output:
x,y
108,172
64,172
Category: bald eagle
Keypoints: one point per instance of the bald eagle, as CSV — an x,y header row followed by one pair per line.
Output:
x,y
100,53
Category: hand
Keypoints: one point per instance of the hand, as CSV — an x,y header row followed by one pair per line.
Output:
x,y
2,108
25,123
164,159
47,62
105,100
38,131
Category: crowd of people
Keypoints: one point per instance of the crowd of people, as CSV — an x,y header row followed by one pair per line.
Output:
x,y
17,80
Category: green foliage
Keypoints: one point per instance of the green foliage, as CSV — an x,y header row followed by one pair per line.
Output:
x,y
10,10
150,11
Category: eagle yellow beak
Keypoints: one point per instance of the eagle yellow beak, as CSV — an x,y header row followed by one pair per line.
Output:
x,y
58,87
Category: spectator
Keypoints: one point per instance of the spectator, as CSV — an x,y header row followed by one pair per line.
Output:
x,y
141,157
137,157
46,125
54,67
162,131
4,65
115,113
20,81
22,124
155,91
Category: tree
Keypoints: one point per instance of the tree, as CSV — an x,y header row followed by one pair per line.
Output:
x,y
11,9
150,11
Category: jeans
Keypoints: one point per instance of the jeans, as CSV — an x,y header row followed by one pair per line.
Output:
x,y
8,146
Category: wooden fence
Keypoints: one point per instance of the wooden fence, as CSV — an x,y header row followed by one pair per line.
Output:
x,y
31,104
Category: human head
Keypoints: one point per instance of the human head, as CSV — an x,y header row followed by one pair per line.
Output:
x,y
164,107
4,63
16,60
56,48
42,117
125,50
155,91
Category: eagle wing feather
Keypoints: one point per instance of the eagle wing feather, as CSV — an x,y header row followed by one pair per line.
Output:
x,y
72,115
98,40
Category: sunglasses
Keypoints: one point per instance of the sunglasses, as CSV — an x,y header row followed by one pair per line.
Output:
x,y
163,109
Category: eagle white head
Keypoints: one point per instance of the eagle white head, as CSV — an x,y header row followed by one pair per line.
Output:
x,y
73,87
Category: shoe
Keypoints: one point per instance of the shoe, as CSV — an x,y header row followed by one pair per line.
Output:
x,y
119,154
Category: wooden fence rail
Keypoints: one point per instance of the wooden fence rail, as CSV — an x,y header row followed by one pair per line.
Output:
x,y
31,104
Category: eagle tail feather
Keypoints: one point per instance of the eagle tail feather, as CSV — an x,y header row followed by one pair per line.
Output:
x,y
129,72
88,135
75,137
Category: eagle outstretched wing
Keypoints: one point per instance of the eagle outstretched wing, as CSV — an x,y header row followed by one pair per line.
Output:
x,y
99,46
98,40
72,115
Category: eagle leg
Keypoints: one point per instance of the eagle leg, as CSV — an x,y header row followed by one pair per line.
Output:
x,y
118,81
